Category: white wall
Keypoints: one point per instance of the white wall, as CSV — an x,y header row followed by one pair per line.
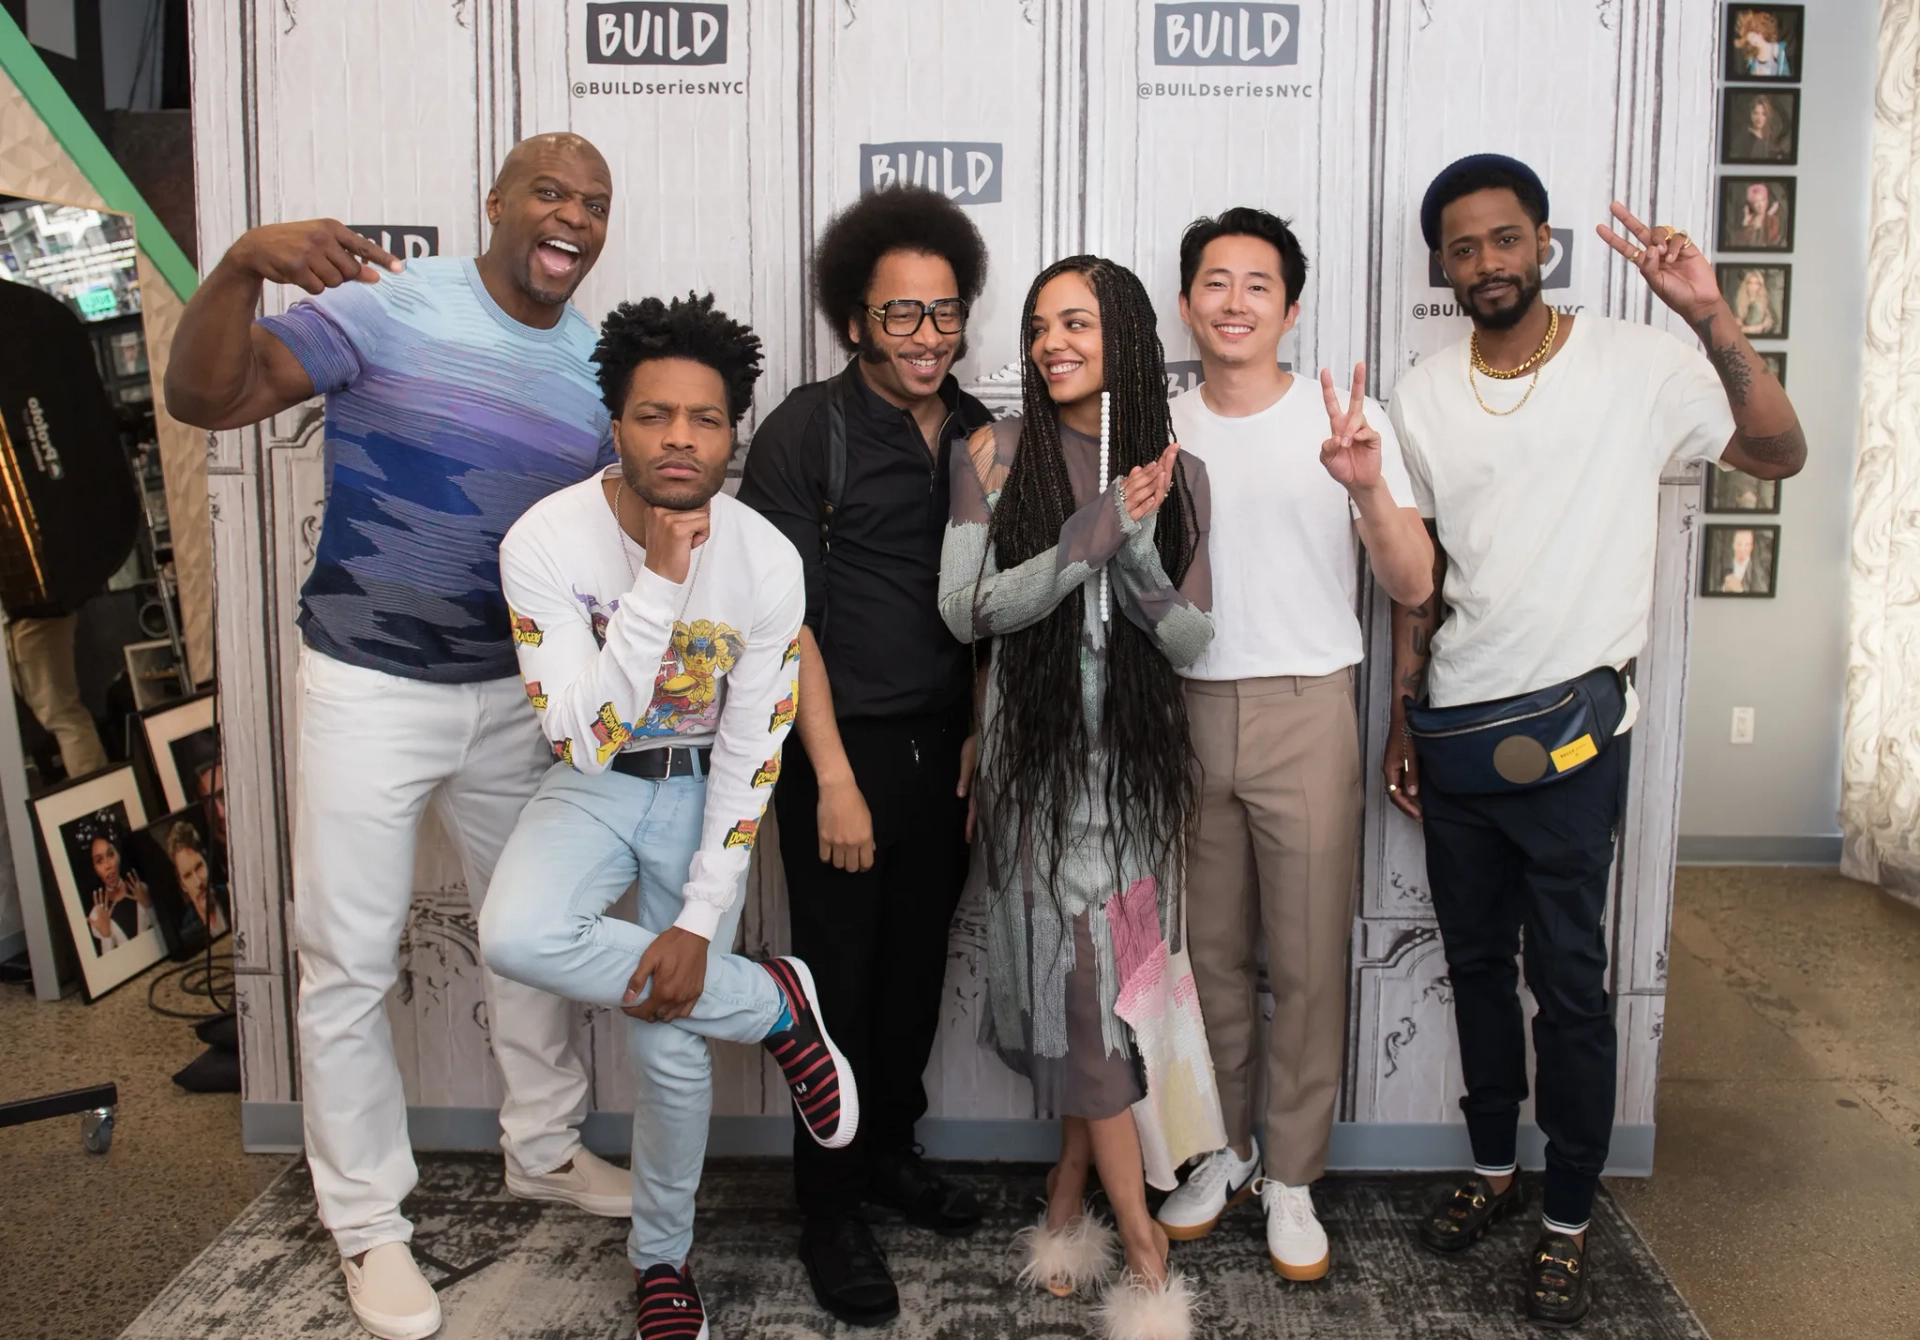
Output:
x,y
1786,657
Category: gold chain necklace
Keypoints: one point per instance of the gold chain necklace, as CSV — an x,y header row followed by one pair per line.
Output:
x,y
1478,364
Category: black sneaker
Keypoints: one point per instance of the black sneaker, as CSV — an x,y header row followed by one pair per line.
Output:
x,y
670,1307
848,1271
818,1076
906,1182
1462,1216
1559,1284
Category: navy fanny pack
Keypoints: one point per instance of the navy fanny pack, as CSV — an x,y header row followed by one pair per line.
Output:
x,y
1519,743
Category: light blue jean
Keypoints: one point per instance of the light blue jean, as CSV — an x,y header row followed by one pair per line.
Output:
x,y
580,842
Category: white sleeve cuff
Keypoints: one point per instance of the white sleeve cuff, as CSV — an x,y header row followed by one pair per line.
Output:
x,y
703,919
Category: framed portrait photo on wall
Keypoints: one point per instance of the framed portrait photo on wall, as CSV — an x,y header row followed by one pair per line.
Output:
x,y
1776,361
1756,214
1738,491
1760,295
87,830
1764,42
1740,561
1760,125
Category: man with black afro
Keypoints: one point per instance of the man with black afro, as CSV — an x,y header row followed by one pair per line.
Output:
x,y
874,808
656,622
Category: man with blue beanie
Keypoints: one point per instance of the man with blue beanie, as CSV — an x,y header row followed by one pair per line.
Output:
x,y
1535,449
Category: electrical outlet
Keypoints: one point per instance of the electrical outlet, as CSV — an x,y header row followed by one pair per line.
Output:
x,y
1742,725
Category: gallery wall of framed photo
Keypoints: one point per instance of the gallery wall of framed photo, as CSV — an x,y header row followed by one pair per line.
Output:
x,y
1758,205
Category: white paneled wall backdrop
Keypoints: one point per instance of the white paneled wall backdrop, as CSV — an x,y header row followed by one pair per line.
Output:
x,y
734,129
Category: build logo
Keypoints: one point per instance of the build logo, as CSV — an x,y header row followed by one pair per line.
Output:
x,y
650,32
1556,271
408,241
1226,34
1183,374
968,174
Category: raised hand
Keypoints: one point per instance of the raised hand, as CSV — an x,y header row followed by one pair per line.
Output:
x,y
1351,453
1675,268
1145,486
316,255
100,916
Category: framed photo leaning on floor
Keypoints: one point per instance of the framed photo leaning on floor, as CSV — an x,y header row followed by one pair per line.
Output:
x,y
185,870
184,742
86,829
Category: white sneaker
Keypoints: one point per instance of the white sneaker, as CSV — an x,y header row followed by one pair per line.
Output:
x,y
1295,1240
589,1183
390,1297
1222,1181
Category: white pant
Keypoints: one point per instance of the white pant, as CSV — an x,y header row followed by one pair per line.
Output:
x,y
374,749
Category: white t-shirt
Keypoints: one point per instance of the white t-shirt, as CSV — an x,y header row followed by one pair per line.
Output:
x,y
1549,516
1286,558
618,658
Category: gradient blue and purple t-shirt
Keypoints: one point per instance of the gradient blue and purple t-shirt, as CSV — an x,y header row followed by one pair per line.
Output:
x,y
446,419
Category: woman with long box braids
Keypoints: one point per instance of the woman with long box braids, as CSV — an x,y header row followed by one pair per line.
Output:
x,y
1086,789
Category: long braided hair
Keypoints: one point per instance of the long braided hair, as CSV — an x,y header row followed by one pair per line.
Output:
x,y
1038,740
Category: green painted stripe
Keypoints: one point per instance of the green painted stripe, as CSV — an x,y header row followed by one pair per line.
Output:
x,y
43,92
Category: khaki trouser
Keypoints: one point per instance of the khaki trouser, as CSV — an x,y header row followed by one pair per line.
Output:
x,y
1279,834
42,655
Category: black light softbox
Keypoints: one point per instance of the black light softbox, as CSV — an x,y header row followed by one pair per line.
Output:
x,y
69,509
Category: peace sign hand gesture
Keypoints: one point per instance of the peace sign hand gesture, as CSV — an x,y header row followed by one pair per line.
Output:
x,y
1352,454
1676,270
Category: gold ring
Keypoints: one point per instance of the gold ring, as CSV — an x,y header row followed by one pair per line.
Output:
x,y
1663,228
1684,241
1638,254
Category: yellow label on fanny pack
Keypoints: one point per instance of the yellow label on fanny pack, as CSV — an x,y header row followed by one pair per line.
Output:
x,y
1572,755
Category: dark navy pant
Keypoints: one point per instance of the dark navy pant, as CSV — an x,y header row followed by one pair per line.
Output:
x,y
1538,862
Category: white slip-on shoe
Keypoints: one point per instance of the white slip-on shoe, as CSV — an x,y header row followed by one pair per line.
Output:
x,y
586,1183
1295,1240
389,1295
1221,1181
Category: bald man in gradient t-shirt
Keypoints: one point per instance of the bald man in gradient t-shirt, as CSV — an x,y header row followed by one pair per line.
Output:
x,y
458,394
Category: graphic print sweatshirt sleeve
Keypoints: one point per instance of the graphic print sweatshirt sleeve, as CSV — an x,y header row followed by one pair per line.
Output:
x,y
737,629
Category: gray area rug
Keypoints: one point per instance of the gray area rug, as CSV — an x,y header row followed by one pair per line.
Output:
x,y
516,1270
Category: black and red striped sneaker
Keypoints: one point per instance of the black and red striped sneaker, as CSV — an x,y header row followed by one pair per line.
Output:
x,y
819,1077
670,1307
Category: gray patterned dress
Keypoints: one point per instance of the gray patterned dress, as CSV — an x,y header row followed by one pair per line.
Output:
x,y
1051,974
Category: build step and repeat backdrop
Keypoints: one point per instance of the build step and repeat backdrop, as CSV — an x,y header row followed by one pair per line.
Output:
x,y
735,128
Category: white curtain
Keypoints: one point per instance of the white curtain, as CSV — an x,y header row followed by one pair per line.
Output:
x,y
1880,770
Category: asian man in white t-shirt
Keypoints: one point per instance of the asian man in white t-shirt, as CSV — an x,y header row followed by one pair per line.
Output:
x,y
1536,447
1305,480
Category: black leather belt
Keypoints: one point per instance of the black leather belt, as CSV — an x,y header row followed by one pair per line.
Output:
x,y
657,764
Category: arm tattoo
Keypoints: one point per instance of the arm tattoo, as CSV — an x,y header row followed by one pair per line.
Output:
x,y
1788,448
1729,362
1420,647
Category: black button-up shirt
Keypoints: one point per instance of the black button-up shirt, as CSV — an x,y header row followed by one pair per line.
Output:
x,y
873,601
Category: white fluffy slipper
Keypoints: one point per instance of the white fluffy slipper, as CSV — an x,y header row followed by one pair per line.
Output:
x,y
1136,1310
1061,1261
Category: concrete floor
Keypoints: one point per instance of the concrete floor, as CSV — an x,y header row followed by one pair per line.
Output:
x,y
1783,1202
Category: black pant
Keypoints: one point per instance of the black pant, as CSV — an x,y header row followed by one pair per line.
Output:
x,y
876,941
1539,859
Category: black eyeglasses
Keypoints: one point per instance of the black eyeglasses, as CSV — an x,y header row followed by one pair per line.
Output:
x,y
902,316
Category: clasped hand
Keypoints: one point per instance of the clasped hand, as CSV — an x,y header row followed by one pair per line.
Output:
x,y
1145,487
